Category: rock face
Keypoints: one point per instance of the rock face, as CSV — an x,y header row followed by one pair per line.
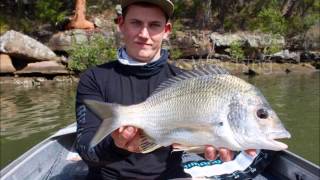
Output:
x,y
19,45
206,43
252,39
6,65
62,41
285,55
275,68
45,67
192,43
24,55
308,41
312,40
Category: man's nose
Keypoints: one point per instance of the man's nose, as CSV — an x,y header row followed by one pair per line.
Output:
x,y
144,33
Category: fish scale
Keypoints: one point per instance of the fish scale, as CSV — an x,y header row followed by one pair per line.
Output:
x,y
188,93
206,106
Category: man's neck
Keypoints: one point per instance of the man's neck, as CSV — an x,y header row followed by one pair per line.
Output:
x,y
124,58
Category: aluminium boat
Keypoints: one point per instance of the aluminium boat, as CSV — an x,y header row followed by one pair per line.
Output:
x,y
55,159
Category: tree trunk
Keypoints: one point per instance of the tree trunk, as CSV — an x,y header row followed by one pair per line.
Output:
x,y
79,20
222,12
288,7
207,19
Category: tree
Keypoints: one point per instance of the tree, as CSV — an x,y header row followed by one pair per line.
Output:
x,y
207,10
79,20
288,8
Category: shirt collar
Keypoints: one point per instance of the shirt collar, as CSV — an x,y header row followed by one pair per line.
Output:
x,y
125,59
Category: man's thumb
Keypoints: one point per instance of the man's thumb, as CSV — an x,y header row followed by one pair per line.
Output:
x,y
129,132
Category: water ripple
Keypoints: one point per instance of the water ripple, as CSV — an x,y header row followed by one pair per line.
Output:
x,y
25,112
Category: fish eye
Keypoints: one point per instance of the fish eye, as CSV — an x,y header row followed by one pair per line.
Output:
x,y
262,114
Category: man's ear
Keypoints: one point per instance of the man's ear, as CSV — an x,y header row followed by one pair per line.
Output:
x,y
120,23
167,30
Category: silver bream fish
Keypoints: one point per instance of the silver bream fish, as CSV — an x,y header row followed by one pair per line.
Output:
x,y
206,106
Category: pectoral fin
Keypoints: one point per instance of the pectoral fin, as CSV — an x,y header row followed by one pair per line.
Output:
x,y
147,145
190,149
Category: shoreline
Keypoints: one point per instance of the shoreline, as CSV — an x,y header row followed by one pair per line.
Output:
x,y
235,68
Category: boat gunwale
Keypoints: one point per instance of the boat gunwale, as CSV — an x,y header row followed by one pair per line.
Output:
x,y
283,156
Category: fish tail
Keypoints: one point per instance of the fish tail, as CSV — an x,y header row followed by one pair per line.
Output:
x,y
108,114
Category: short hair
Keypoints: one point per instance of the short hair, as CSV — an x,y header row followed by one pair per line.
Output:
x,y
144,4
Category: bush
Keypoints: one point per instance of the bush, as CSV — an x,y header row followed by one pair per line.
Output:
x,y
186,8
300,24
50,11
272,48
236,50
176,26
3,25
96,51
270,20
175,53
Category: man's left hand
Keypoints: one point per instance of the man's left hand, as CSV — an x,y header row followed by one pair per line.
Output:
x,y
211,153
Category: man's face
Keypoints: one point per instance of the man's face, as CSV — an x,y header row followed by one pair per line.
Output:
x,y
143,29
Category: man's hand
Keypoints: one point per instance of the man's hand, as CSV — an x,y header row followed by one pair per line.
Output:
x,y
225,154
127,138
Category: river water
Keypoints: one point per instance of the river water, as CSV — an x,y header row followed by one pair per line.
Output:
x,y
30,114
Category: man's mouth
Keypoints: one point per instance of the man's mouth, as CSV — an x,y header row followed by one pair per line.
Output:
x,y
143,44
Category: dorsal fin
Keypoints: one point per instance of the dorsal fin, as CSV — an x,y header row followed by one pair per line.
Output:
x,y
198,71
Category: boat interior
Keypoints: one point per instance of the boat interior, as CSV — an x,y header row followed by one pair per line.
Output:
x,y
55,159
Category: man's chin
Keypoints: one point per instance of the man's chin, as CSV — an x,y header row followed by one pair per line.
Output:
x,y
144,58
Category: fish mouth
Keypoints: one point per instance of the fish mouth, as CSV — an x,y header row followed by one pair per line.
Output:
x,y
279,145
279,135
273,137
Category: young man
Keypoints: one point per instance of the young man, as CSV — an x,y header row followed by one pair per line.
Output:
x,y
141,67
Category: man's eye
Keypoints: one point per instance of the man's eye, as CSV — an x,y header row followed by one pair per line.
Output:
x,y
155,25
135,23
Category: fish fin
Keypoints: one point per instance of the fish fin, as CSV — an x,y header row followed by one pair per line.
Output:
x,y
200,71
101,109
147,145
107,127
190,149
106,113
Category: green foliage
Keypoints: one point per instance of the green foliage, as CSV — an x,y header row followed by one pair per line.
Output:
x,y
300,24
227,15
94,52
272,48
50,11
3,25
186,8
22,24
270,20
26,25
236,50
99,6
177,26
175,53
229,24
310,20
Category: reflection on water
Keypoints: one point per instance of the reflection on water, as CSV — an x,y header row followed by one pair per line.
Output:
x,y
30,114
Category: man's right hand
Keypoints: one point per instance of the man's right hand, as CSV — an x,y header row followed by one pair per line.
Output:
x,y
128,138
